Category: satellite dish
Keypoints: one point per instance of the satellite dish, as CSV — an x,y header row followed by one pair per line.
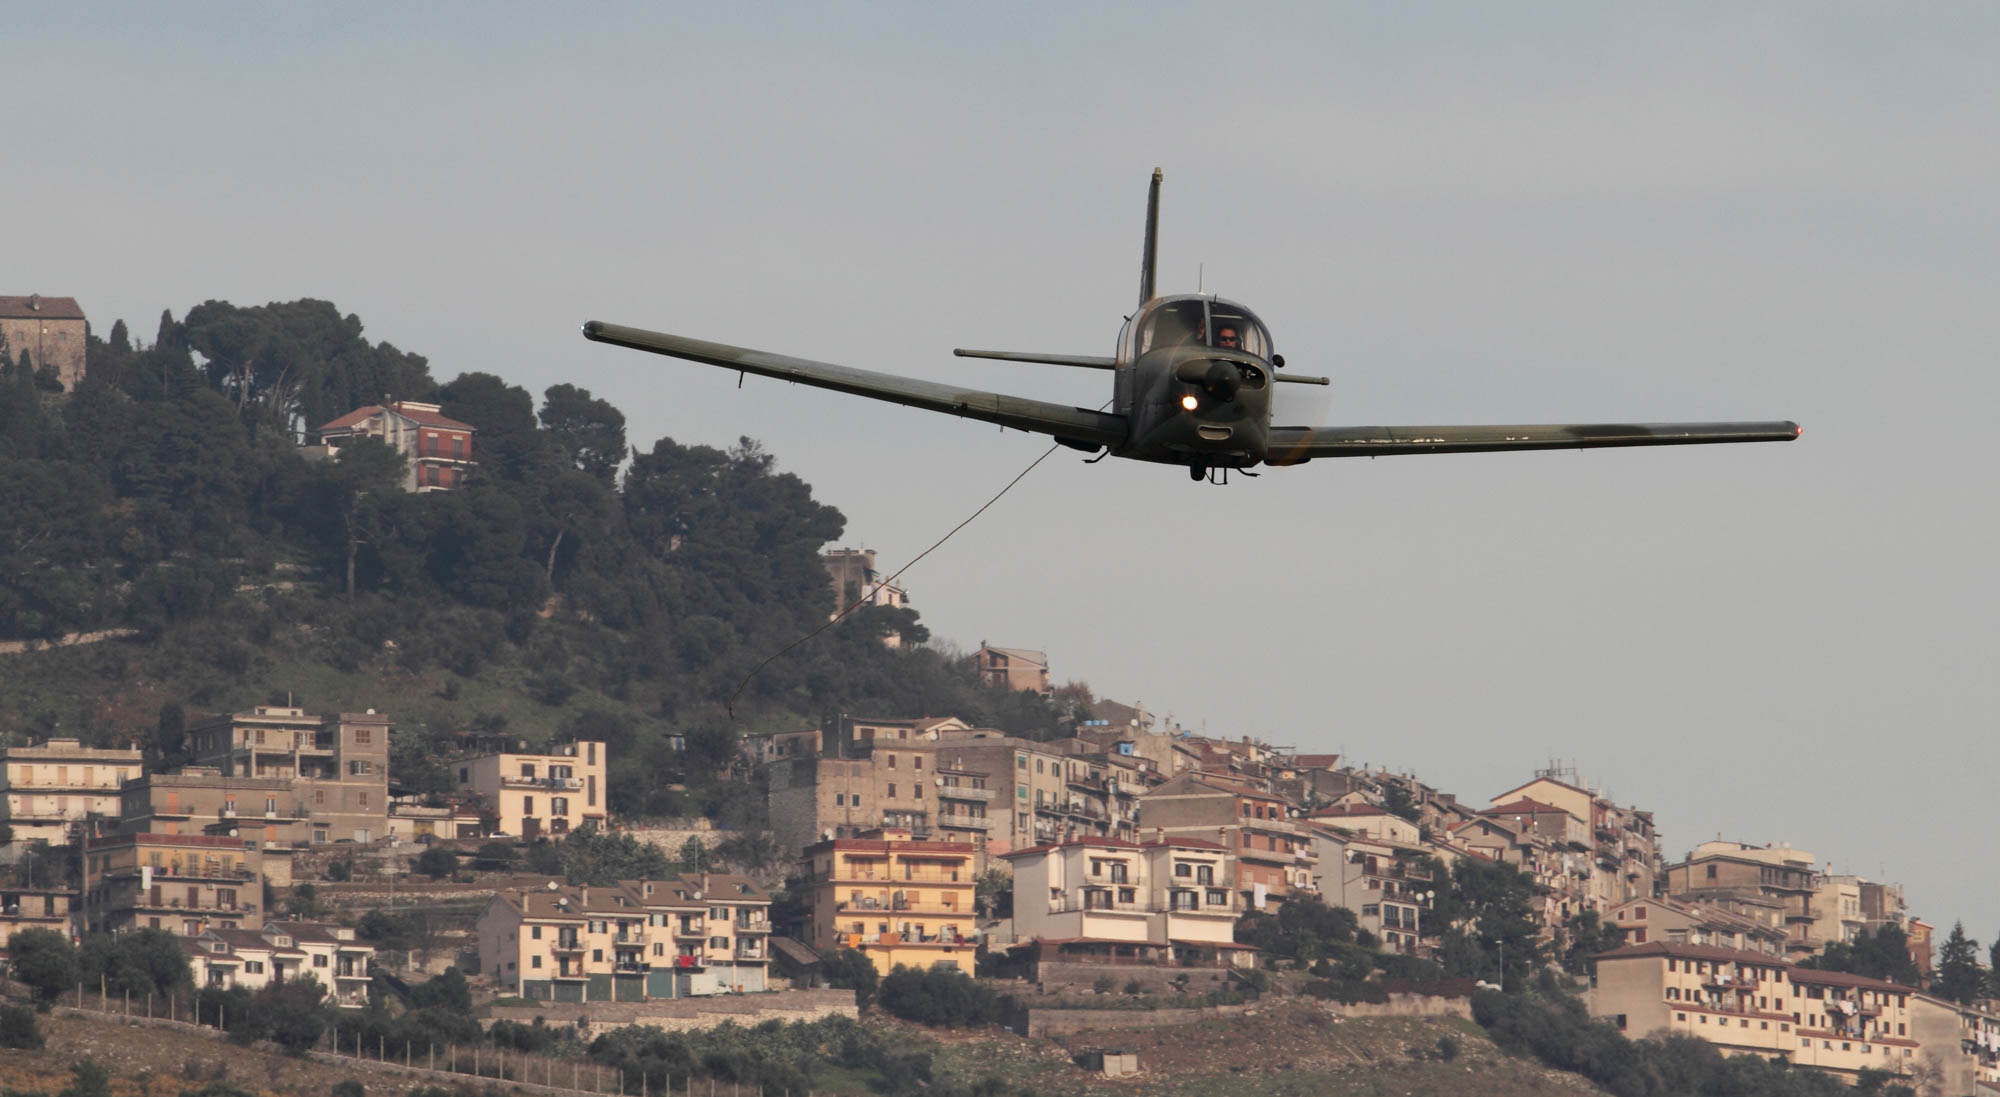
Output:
x,y
551,885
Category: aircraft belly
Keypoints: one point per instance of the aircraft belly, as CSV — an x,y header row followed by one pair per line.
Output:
x,y
1167,434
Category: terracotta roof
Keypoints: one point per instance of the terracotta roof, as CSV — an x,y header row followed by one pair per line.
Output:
x,y
1843,979
1316,761
1699,952
1523,806
1186,843
415,415
1097,841
52,308
1349,810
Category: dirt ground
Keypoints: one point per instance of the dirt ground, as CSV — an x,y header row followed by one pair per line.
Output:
x,y
163,1062
1291,1048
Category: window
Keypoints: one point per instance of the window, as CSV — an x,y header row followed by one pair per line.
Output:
x,y
1640,914
535,932
533,961
558,805
464,775
361,737
839,799
253,967
917,762
892,790
892,761
527,805
1021,762
320,961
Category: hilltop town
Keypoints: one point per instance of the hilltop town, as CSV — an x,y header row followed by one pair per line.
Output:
x,y
405,718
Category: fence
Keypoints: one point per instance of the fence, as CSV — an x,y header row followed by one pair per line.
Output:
x,y
437,1063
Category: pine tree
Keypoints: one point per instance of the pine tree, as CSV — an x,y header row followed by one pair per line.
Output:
x,y
1960,978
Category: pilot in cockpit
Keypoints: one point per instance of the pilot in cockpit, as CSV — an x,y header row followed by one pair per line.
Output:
x,y
1227,337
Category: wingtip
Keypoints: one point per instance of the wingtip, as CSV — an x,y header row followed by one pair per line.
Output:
x,y
592,328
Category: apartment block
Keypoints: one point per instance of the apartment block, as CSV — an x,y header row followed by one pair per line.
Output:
x,y
1044,791
881,783
1014,668
1271,854
35,908
1387,882
1621,843
1962,1041
49,790
897,899
1109,900
185,884
336,765
549,793
1734,874
203,800
1644,921
698,934
1750,1003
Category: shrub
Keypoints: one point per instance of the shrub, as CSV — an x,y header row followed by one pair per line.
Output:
x,y
1104,984
18,1028
942,996
437,862
846,969
351,1087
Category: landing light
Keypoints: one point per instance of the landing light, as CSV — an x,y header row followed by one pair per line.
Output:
x,y
1189,402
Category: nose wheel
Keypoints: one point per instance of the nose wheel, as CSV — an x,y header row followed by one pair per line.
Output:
x,y
1197,472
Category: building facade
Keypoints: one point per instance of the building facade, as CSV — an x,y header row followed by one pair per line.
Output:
x,y
185,884
1749,1003
1106,899
337,765
51,331
437,449
49,790
549,793
896,899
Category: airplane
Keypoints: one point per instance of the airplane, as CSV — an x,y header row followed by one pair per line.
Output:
x,y
1192,380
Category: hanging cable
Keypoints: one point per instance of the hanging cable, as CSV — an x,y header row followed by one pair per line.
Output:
x,y
730,705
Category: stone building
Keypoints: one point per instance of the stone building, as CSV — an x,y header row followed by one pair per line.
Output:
x,y
51,330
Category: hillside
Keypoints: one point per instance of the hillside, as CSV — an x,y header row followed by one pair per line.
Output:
x,y
572,585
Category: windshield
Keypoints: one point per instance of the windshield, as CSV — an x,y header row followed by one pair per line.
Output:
x,y
1203,321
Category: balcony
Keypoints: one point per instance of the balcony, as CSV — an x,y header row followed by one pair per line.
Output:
x,y
567,944
1072,904
967,822
690,961
749,950
541,782
965,792
908,876
691,929
752,925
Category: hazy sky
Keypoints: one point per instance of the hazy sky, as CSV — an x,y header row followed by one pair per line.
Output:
x,y
1478,213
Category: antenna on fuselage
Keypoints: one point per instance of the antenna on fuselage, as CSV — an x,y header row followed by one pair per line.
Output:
x,y
1149,259
1200,278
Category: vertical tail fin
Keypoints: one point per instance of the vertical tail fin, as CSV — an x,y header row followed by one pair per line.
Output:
x,y
1150,260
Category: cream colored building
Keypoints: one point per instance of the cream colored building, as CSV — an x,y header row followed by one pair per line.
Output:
x,y
325,952
35,908
897,900
532,795
1388,884
1109,899
1749,1003
337,766
1644,921
48,790
697,934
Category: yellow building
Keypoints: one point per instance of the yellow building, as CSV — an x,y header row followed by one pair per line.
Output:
x,y
1757,1004
532,795
899,901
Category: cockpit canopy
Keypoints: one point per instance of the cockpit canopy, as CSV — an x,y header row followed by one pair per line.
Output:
x,y
1196,321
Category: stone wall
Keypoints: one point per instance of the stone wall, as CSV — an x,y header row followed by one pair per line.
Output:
x,y
1064,1022
1159,980
684,1014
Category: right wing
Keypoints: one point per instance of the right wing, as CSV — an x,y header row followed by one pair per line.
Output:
x,y
1295,445
1074,425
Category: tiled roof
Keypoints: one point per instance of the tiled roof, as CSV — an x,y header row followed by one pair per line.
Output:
x,y
53,308
1524,806
415,415
1097,841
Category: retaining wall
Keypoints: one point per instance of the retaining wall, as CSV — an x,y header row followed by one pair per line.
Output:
x,y
684,1014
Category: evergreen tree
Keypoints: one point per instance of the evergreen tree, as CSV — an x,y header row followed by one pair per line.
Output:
x,y
1959,976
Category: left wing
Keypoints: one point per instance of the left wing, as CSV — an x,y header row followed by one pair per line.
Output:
x,y
1295,445
1073,425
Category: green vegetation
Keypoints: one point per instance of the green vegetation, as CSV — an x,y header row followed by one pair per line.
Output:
x,y
941,996
847,969
1878,954
551,597
18,1028
1558,1031
779,1057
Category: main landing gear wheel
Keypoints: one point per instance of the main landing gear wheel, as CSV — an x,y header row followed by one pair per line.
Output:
x,y
1197,473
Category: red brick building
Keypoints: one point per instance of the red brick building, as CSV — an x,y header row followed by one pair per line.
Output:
x,y
439,449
